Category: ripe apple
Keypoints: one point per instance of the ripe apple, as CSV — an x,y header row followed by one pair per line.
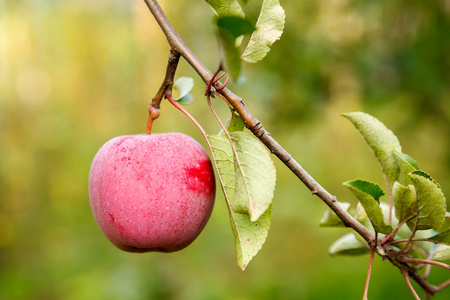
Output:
x,y
152,192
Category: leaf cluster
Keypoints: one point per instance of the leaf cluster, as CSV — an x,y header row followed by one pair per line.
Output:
x,y
415,210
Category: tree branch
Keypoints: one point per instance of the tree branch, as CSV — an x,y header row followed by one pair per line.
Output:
x,y
255,126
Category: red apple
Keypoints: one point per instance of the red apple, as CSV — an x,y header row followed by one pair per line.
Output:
x,y
152,192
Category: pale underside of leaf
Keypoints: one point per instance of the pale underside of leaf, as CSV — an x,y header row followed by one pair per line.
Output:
x,y
183,86
442,253
348,245
249,236
255,176
223,158
269,28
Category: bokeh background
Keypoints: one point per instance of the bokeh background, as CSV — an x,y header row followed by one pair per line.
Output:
x,y
75,73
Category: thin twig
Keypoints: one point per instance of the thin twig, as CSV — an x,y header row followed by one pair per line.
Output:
x,y
425,261
203,132
443,285
405,275
366,288
389,237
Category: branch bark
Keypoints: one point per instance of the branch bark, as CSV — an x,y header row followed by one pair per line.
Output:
x,y
255,126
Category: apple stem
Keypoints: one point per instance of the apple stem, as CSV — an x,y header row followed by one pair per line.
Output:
x,y
153,113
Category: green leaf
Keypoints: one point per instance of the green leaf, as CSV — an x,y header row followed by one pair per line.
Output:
x,y
405,201
234,123
431,201
249,236
406,164
368,193
224,161
381,140
269,28
428,176
183,86
224,8
348,245
237,26
408,159
255,175
442,253
367,187
441,238
330,219
361,214
232,60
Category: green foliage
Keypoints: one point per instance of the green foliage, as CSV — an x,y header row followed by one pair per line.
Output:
x,y
237,26
368,193
442,253
269,28
405,201
226,8
381,140
420,204
231,53
431,201
443,238
232,26
406,164
247,175
234,123
249,236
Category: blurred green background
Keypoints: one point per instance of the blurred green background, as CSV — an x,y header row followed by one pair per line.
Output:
x,y
75,73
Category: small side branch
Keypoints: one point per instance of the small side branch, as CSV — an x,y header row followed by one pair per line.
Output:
x,y
166,86
172,64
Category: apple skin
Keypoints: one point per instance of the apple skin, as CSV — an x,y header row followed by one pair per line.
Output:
x,y
152,192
